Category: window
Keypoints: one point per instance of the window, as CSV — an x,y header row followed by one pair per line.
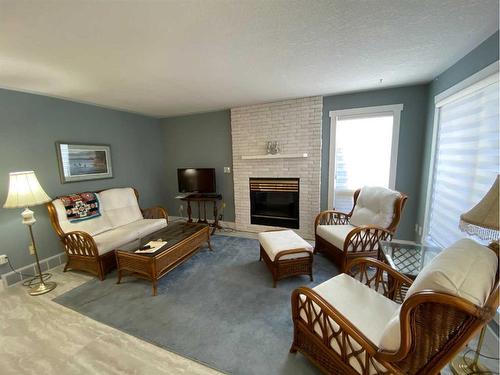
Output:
x,y
466,157
363,151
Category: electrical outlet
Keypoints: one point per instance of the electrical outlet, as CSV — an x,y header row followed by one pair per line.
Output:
x,y
31,248
227,169
3,259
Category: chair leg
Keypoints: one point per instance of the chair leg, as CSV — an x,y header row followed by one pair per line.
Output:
x,y
293,348
100,271
66,266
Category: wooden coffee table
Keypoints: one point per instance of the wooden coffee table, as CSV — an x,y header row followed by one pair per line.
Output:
x,y
183,241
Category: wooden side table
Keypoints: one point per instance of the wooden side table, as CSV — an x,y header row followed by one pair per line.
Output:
x,y
202,200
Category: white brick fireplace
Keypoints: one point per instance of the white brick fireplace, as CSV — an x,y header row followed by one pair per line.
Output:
x,y
296,125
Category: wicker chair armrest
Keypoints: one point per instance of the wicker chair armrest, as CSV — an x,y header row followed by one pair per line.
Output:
x,y
375,263
292,252
331,217
366,238
446,303
156,212
318,312
79,243
380,277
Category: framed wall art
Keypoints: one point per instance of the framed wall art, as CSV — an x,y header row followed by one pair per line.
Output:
x,y
80,162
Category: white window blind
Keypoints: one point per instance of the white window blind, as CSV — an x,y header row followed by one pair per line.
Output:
x,y
466,159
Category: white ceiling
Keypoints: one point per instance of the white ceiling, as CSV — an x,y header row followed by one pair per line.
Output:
x,y
166,58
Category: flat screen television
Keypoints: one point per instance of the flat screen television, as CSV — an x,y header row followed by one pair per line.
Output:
x,y
196,180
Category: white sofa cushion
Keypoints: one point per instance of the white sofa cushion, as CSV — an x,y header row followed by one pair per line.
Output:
x,y
127,236
375,206
334,234
114,239
277,241
120,206
92,226
465,269
143,227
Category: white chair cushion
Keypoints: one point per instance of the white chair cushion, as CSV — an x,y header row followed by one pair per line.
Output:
x,y
114,239
143,227
120,206
351,298
277,241
465,269
334,234
375,206
92,226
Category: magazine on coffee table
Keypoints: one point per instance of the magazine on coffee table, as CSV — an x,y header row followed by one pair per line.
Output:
x,y
154,246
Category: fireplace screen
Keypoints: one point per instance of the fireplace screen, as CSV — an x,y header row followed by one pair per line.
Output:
x,y
275,202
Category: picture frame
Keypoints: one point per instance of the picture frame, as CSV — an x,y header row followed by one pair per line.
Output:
x,y
81,162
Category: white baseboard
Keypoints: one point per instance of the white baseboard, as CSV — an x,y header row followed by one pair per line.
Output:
x,y
12,278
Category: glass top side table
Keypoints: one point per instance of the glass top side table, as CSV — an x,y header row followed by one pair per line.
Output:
x,y
407,258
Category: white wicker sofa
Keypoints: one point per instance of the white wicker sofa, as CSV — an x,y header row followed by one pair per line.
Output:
x,y
90,244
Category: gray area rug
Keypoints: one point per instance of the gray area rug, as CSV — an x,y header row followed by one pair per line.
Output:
x,y
218,308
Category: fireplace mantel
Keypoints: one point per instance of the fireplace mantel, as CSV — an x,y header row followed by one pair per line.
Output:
x,y
275,156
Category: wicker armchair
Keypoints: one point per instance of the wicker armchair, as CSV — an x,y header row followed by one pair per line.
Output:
x,y
81,249
345,236
432,326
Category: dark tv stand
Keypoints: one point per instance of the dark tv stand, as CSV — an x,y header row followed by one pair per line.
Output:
x,y
202,199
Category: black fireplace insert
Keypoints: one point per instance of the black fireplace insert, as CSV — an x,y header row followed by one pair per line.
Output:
x,y
275,202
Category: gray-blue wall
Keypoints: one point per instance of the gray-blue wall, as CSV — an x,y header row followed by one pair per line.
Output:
x,y
199,141
482,56
146,152
29,127
411,134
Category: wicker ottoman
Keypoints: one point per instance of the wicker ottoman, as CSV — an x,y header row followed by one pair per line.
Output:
x,y
285,254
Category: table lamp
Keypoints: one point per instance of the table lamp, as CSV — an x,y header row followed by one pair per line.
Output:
x,y
481,221
25,191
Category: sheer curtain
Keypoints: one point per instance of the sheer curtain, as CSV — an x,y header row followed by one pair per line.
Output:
x,y
466,159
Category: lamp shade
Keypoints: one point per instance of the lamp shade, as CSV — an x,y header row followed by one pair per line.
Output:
x,y
25,191
482,219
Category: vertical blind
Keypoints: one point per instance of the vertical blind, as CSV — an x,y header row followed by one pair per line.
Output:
x,y
466,159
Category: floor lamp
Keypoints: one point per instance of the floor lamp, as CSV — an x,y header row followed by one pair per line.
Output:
x,y
481,221
25,191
